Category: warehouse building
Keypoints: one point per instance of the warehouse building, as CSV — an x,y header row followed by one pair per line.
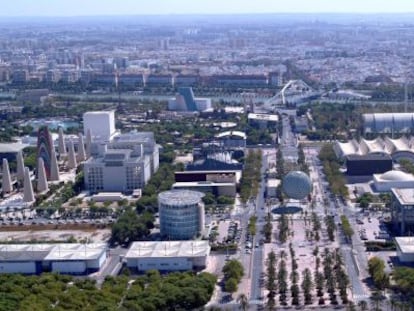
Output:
x,y
67,258
168,256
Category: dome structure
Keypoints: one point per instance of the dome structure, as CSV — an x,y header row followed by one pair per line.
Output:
x,y
396,176
296,185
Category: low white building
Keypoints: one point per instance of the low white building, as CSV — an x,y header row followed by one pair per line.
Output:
x,y
405,248
168,255
68,258
271,186
393,179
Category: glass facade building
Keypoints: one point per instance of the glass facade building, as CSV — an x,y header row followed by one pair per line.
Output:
x,y
181,214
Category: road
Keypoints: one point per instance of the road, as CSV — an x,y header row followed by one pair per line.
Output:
x,y
257,256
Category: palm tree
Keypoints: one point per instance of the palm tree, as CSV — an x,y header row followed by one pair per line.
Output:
x,y
376,300
363,305
243,301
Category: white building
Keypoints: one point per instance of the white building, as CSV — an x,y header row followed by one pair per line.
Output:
x,y
100,123
68,258
263,120
405,248
271,187
400,148
168,255
117,170
393,179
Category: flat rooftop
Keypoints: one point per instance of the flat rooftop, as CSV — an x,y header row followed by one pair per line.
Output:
x,y
405,244
404,196
52,252
263,117
168,249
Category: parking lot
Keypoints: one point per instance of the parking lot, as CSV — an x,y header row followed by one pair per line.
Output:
x,y
97,235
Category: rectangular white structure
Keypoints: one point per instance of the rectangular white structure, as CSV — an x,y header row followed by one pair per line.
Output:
x,y
168,255
100,123
405,248
70,258
117,170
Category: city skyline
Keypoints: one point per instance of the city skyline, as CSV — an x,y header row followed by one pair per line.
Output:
x,y
164,7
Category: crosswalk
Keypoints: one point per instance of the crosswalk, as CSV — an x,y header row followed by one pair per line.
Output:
x,y
360,297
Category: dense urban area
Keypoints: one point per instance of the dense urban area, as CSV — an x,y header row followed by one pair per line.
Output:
x,y
252,162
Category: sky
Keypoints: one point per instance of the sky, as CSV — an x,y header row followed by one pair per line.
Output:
x,y
13,8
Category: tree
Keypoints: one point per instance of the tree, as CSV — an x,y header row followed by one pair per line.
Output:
x,y
307,286
231,285
243,301
376,268
363,305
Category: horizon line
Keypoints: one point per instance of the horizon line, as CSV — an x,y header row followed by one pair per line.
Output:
x,y
209,14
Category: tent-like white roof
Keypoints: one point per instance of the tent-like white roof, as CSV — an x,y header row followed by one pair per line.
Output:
x,y
168,249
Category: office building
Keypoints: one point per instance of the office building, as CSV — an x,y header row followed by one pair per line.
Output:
x,y
117,170
168,256
181,214
402,210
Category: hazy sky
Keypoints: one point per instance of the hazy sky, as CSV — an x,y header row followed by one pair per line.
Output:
x,y
136,7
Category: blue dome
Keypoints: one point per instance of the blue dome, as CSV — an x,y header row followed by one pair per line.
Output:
x,y
296,185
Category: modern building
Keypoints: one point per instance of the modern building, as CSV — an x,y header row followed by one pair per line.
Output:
x,y
217,182
101,124
117,170
393,179
66,258
388,122
181,214
185,101
401,148
363,165
168,256
217,188
232,139
402,210
263,120
405,248
132,139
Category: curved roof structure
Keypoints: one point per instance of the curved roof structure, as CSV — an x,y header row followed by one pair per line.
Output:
x,y
396,176
397,148
239,134
388,122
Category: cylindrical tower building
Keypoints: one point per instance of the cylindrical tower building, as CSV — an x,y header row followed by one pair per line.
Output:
x,y
181,214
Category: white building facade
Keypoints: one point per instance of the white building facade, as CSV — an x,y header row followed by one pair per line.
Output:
x,y
168,255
